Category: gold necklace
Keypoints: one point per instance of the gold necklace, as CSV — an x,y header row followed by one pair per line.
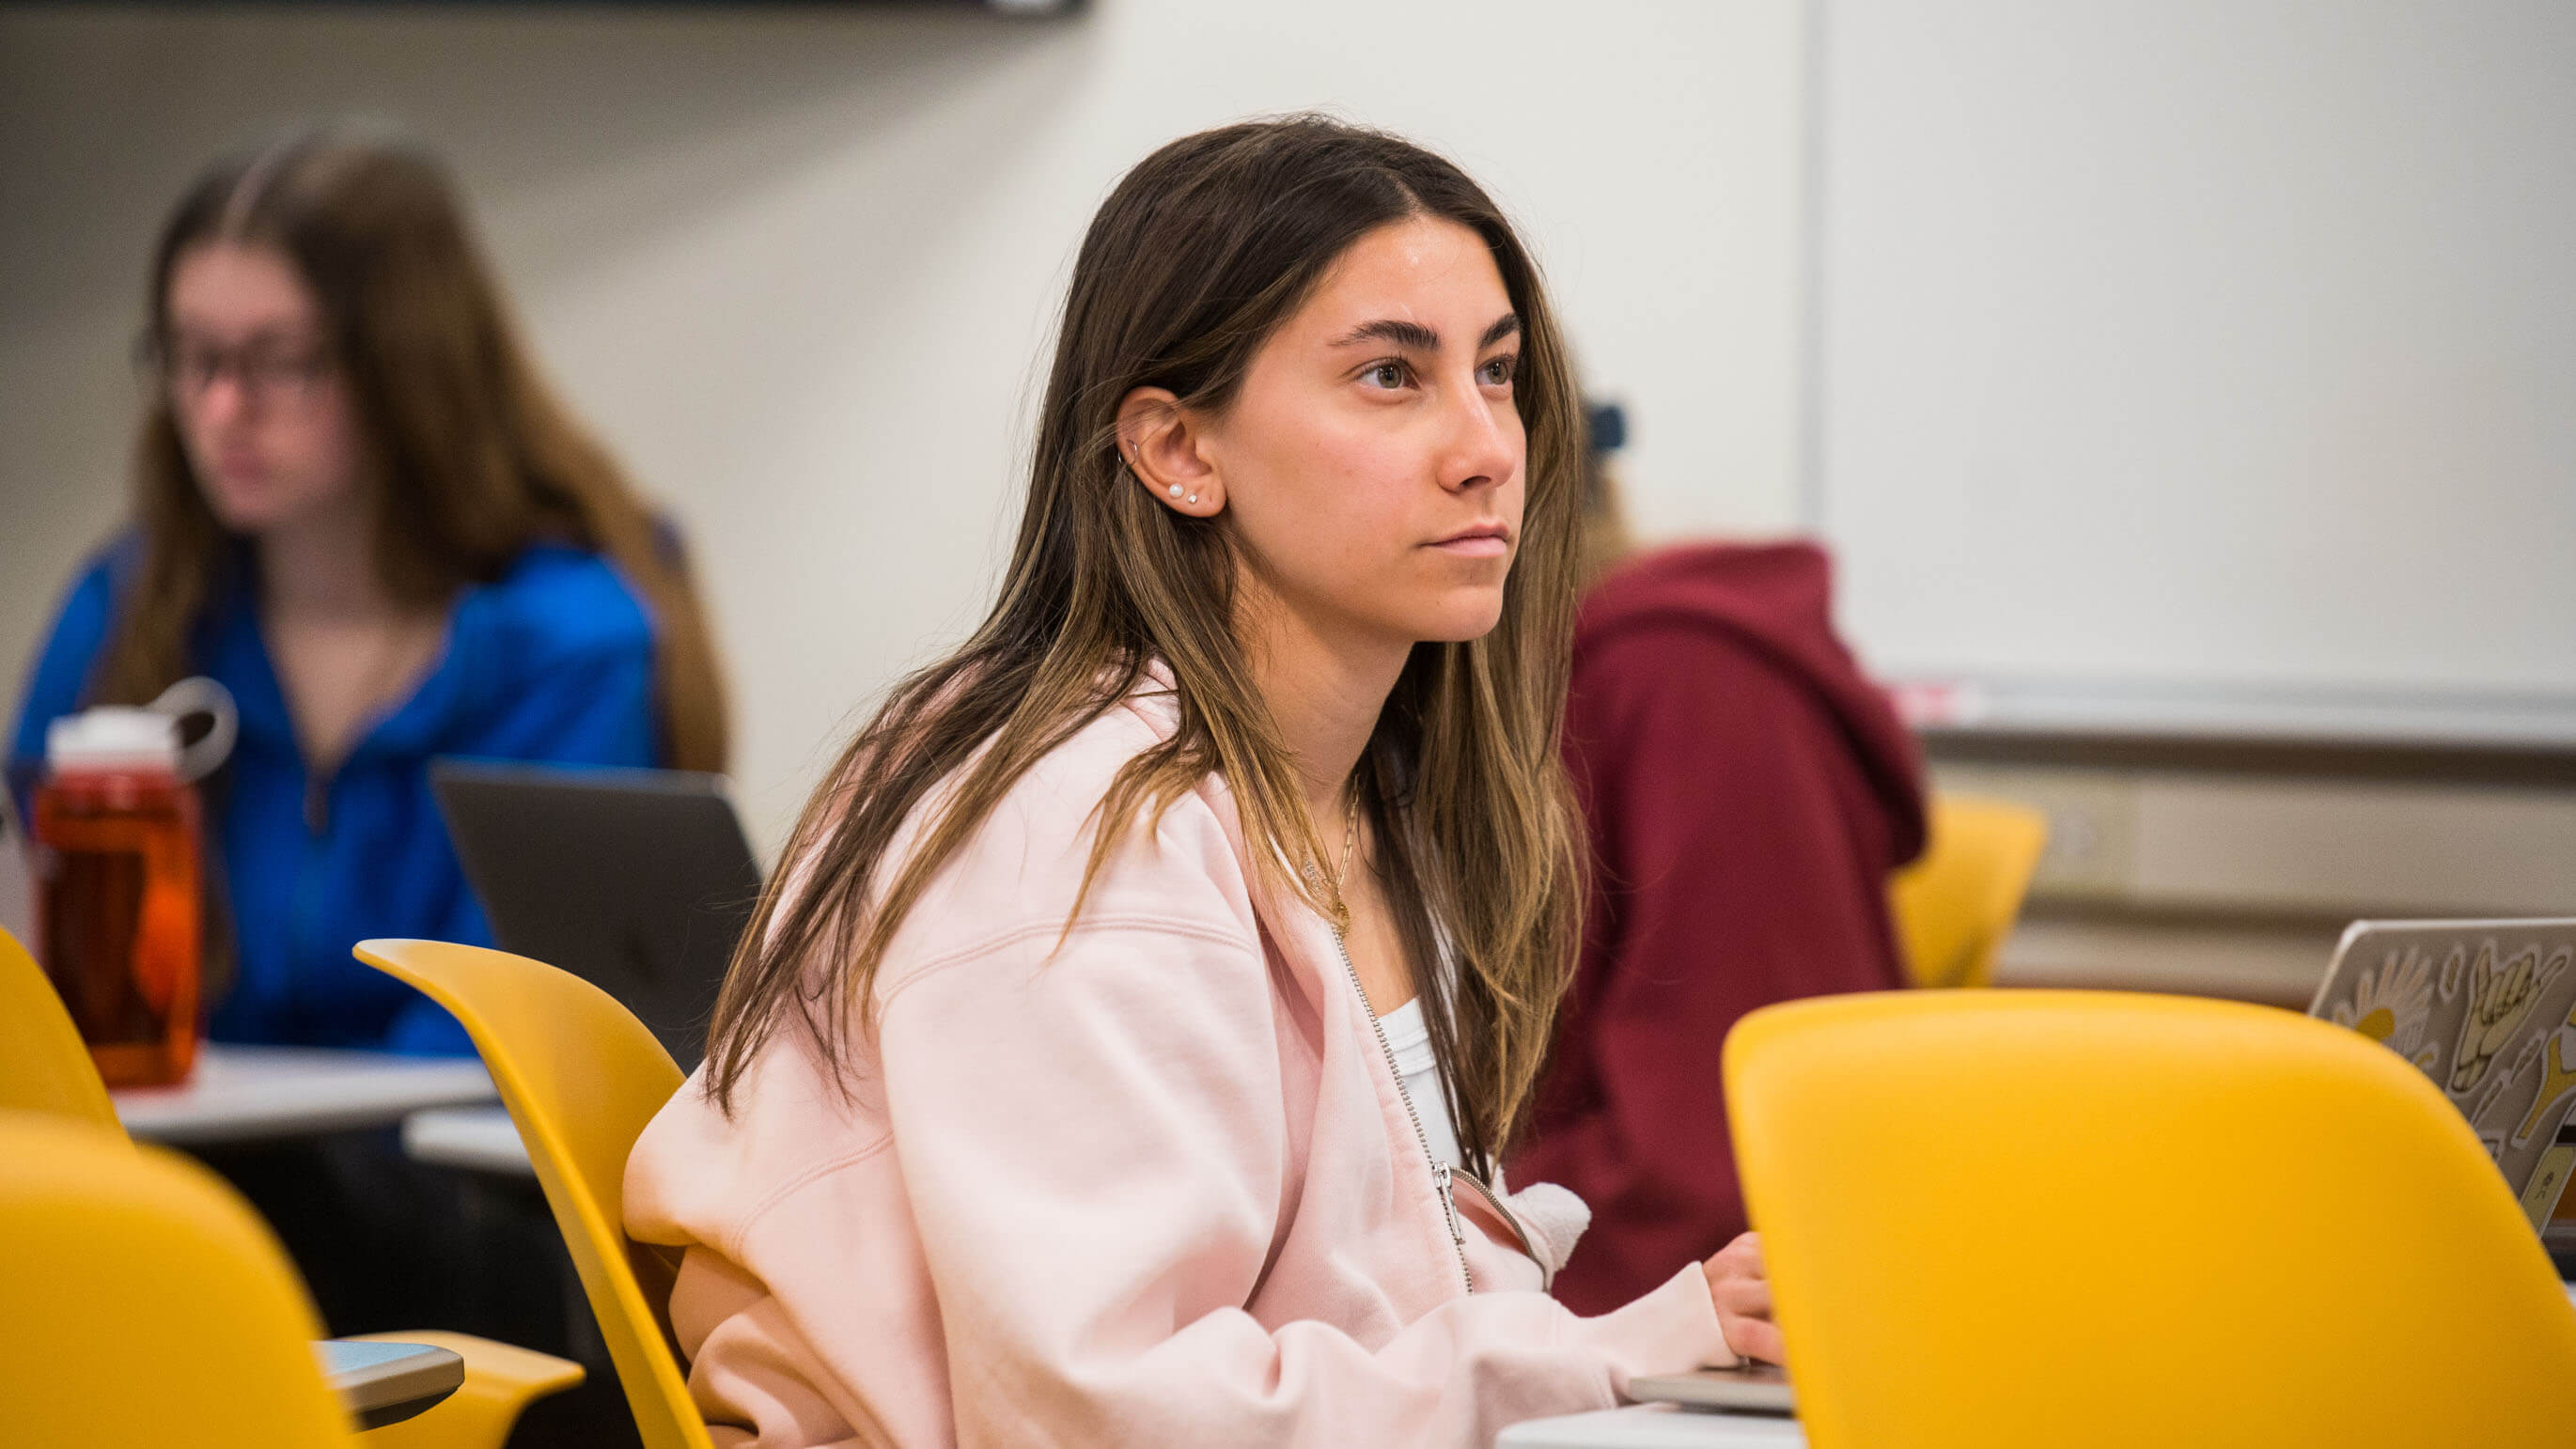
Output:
x,y
1314,871
1342,878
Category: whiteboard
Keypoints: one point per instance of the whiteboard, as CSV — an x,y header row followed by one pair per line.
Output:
x,y
2202,365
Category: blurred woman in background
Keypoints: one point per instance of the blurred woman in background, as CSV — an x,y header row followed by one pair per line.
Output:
x,y
360,509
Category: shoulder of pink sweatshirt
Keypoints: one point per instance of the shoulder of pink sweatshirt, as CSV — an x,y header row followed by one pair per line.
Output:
x,y
1147,1179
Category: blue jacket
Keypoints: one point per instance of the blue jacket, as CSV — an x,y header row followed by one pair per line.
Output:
x,y
554,662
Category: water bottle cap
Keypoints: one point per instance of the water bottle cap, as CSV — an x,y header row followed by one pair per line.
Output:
x,y
113,737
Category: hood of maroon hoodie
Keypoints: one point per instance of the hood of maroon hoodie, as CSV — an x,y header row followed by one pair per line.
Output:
x,y
1776,599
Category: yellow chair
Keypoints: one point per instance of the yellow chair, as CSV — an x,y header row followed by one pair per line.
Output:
x,y
146,1304
2038,1218
45,1068
581,1076
1955,905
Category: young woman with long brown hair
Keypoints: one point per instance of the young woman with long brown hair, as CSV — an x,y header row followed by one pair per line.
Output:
x,y
359,508
1059,1092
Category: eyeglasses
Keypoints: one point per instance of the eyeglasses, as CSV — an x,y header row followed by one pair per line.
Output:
x,y
271,373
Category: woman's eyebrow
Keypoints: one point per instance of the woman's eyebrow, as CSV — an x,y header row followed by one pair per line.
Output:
x,y
267,334
1411,336
1414,337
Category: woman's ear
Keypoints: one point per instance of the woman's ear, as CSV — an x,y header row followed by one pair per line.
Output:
x,y
1166,451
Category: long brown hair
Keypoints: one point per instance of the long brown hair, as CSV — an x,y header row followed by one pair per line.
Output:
x,y
1194,260
476,458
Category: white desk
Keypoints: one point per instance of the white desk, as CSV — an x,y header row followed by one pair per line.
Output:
x,y
480,1139
239,1093
1654,1426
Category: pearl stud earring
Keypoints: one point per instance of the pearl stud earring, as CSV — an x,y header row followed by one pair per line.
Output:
x,y
1176,490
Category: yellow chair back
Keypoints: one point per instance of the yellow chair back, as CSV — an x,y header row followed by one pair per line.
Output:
x,y
43,1065
146,1304
581,1076
45,1068
1955,905
2025,1218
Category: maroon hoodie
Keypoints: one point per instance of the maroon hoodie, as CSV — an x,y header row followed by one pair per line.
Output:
x,y
1748,793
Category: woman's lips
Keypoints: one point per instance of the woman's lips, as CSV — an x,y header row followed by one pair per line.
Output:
x,y
1476,543
238,466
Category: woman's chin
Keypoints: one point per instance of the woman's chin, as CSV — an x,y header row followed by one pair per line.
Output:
x,y
1461,620
256,508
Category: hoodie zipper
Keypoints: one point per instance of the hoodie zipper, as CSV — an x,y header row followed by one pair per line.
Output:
x,y
1440,1171
1511,1219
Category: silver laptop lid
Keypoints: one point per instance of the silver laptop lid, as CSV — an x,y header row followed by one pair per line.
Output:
x,y
2487,1009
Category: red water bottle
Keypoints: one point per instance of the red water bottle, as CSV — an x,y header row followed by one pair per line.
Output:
x,y
119,916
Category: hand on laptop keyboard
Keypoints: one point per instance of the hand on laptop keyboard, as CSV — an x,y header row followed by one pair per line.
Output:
x,y
1741,1290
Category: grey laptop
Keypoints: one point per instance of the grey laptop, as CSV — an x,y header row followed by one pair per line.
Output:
x,y
2487,1009
638,881
1746,1388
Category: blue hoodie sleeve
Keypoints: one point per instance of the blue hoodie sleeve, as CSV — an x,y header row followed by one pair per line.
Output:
x,y
60,672
568,666
592,707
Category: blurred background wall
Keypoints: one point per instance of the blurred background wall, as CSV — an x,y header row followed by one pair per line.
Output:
x,y
798,266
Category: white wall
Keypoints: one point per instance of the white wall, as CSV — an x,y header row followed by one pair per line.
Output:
x,y
798,266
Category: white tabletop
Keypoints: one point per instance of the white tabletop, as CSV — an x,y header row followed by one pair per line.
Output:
x,y
483,1139
238,1093
1654,1426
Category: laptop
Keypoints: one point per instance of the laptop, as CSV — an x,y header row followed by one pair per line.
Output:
x,y
2487,1009
637,881
1746,1388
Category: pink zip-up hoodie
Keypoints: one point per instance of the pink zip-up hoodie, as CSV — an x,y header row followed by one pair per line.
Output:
x,y
1154,1184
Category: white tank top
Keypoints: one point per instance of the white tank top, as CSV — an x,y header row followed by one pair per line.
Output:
x,y
1408,1036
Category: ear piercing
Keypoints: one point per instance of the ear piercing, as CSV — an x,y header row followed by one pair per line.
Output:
x,y
1171,490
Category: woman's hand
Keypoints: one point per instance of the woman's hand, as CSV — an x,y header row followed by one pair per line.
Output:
x,y
1743,1297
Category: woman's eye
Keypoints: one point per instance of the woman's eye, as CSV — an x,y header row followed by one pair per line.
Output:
x,y
1389,374
1499,371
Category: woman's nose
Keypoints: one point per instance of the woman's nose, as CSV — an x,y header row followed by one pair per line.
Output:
x,y
1482,448
222,399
